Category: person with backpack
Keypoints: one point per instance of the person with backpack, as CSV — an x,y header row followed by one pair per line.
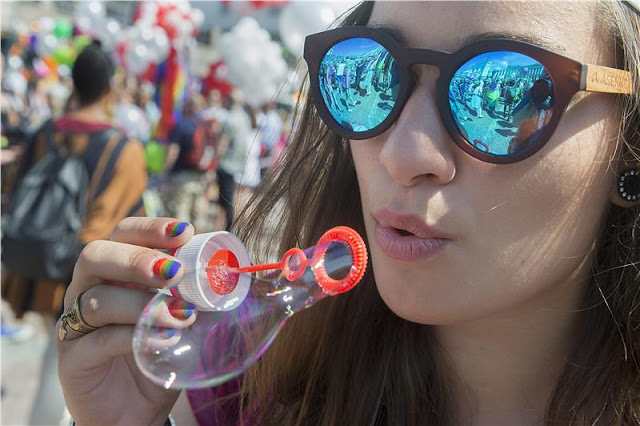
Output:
x,y
79,177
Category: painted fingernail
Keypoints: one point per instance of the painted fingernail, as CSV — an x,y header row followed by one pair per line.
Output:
x,y
181,309
170,332
166,269
176,228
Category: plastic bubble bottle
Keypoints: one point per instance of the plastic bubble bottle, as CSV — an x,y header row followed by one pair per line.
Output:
x,y
236,309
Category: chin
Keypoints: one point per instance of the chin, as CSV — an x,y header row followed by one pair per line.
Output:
x,y
436,301
416,303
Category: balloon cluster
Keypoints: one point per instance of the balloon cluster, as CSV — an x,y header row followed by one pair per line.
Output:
x,y
91,20
46,47
299,19
158,28
246,8
254,62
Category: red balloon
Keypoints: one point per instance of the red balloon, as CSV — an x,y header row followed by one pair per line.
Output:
x,y
215,81
275,3
257,4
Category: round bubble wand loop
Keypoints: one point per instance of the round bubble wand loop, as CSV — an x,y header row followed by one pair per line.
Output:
x,y
284,265
230,314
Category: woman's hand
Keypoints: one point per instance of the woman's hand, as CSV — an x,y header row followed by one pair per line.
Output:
x,y
100,379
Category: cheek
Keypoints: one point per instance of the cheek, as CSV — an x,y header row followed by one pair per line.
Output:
x,y
556,205
365,154
536,227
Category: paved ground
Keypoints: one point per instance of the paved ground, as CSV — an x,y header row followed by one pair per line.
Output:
x,y
21,366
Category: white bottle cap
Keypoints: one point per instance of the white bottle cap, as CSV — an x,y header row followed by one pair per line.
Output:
x,y
195,286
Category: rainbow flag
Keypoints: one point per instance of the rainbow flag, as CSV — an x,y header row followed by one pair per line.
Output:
x,y
171,80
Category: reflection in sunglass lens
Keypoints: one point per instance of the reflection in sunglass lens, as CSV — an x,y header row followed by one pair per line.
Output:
x,y
501,102
359,83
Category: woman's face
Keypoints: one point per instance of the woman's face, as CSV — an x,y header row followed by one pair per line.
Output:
x,y
510,237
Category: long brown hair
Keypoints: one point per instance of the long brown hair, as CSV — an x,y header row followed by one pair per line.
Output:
x,y
349,360
602,378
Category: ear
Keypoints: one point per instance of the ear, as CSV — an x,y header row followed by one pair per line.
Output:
x,y
626,193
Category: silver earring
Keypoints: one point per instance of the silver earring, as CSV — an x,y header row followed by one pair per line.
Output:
x,y
629,185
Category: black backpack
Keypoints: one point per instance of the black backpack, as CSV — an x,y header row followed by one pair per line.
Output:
x,y
46,212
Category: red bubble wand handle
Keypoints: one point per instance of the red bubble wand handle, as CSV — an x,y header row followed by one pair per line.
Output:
x,y
294,263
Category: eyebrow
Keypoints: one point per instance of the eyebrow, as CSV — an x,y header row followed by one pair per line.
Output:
x,y
401,38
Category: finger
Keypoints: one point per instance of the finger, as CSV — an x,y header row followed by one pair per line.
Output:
x,y
96,348
102,345
103,305
110,261
161,232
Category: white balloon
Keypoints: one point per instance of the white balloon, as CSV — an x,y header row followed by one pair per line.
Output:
x,y
174,19
161,43
254,61
299,19
197,16
15,63
136,58
46,45
64,70
149,11
96,8
133,122
146,33
84,24
47,24
144,36
132,34
15,83
184,7
179,43
146,21
89,17
185,28
110,34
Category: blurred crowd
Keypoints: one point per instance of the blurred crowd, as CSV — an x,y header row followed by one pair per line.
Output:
x,y
201,168
219,147
158,136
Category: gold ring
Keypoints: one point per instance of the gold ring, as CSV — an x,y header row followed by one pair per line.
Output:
x,y
73,319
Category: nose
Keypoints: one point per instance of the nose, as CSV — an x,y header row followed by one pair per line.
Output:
x,y
418,146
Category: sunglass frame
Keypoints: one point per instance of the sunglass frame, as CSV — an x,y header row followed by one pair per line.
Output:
x,y
565,75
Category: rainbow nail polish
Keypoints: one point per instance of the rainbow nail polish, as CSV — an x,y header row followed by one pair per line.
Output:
x,y
180,309
176,228
166,269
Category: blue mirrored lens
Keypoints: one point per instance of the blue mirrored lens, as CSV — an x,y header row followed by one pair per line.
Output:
x,y
501,102
359,83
